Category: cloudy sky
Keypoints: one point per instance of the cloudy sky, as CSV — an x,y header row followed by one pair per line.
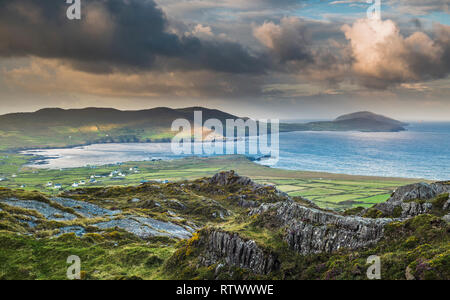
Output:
x,y
298,59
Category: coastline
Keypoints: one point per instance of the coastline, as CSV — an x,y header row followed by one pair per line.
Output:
x,y
244,160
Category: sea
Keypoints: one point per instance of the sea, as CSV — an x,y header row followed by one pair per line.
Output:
x,y
423,151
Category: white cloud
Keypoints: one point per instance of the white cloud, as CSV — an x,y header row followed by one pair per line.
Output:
x,y
384,57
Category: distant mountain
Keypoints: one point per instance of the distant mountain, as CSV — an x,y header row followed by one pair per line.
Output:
x,y
359,121
369,116
46,118
55,127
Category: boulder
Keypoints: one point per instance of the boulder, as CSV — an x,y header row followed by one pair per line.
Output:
x,y
232,178
403,199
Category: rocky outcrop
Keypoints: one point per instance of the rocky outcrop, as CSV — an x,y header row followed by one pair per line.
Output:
x,y
244,188
310,230
446,206
233,250
231,178
446,218
422,191
402,200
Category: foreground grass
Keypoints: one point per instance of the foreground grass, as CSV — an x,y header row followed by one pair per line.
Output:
x,y
418,247
102,257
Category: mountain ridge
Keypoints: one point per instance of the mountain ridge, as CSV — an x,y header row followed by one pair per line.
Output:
x,y
371,116
56,127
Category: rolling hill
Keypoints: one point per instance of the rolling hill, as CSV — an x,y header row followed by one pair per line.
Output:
x,y
55,127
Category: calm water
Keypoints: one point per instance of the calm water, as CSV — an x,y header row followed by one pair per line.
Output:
x,y
421,152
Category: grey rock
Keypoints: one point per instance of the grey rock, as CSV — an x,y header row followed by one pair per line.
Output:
x,y
147,227
247,203
404,196
49,212
85,209
446,218
231,178
447,205
410,209
408,274
233,250
78,230
310,230
30,224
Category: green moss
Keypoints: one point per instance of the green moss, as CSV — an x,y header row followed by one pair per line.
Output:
x,y
24,257
373,213
397,213
353,211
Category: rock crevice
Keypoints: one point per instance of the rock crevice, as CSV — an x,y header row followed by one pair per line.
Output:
x,y
236,251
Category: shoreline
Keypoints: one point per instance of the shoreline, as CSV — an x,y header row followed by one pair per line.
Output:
x,y
319,175
166,141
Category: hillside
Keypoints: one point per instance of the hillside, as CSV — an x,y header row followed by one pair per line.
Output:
x,y
54,127
360,121
221,227
370,116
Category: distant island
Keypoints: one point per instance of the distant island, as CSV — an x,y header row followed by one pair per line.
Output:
x,y
55,127
360,121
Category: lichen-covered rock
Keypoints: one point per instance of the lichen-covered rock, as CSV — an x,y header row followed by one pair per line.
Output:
x,y
247,203
230,178
447,205
410,209
404,198
446,218
310,230
233,250
231,183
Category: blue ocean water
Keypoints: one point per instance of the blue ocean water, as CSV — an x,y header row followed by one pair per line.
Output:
x,y
421,152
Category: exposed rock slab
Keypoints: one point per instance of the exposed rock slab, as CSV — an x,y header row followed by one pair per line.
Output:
x,y
139,226
147,227
236,251
49,212
85,209
310,230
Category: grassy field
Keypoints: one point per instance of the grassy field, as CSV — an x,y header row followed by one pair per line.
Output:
x,y
332,191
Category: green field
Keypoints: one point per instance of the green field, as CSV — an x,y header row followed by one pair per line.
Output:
x,y
332,191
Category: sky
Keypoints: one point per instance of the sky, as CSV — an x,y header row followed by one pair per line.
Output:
x,y
289,59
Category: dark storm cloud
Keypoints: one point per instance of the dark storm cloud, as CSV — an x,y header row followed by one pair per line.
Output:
x,y
129,36
125,35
